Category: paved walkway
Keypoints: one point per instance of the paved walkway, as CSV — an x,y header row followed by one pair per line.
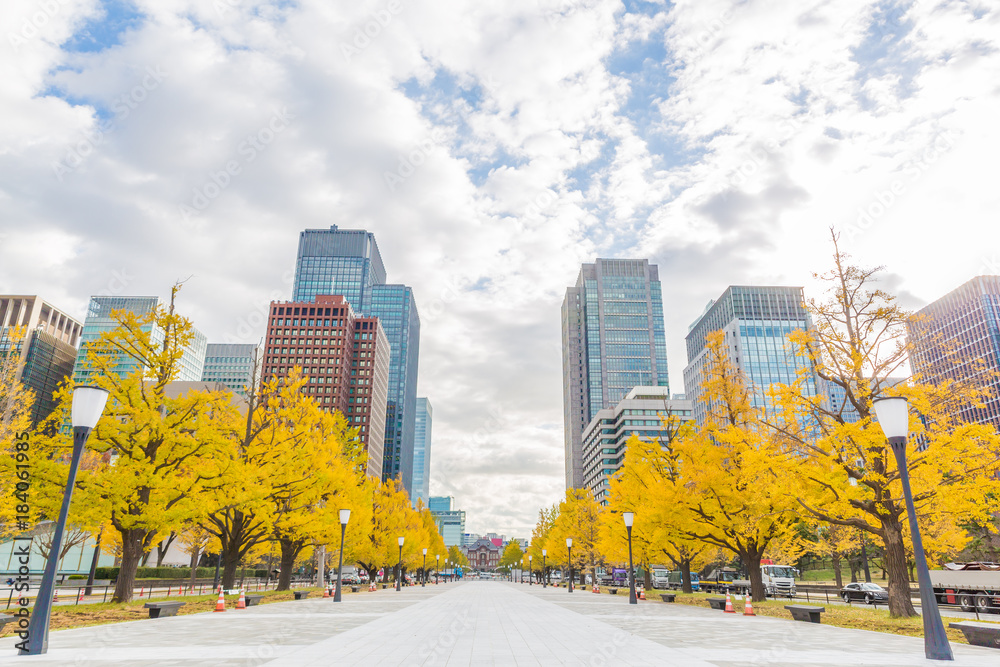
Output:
x,y
479,623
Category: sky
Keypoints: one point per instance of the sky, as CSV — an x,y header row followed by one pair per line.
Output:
x,y
493,146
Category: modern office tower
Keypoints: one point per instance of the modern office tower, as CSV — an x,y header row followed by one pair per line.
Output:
x,y
613,340
231,364
757,322
450,522
397,310
957,337
348,262
99,320
46,349
421,450
346,358
641,413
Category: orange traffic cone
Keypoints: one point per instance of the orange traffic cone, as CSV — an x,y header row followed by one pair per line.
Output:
x,y
55,595
748,608
326,591
596,589
729,605
242,604
141,590
220,605
642,593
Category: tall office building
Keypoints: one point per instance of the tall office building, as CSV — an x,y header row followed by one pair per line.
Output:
x,y
346,358
99,320
348,262
613,340
422,450
642,412
957,337
450,521
757,322
231,364
46,350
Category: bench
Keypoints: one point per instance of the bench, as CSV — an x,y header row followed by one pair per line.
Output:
x,y
801,612
252,600
613,591
163,609
5,619
354,589
301,595
669,597
979,634
717,603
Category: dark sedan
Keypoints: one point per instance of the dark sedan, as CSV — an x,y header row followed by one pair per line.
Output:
x,y
870,593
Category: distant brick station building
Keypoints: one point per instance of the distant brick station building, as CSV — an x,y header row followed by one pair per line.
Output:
x,y
484,554
345,357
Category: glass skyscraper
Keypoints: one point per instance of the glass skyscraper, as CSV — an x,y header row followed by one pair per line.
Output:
x,y
613,340
422,450
232,364
347,262
99,320
957,337
450,522
757,322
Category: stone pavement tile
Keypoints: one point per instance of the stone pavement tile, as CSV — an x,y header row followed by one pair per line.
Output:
x,y
486,623
729,640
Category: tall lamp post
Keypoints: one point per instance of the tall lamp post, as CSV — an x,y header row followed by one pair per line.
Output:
x,y
345,516
629,517
531,573
423,573
545,578
88,405
569,561
895,422
437,568
399,565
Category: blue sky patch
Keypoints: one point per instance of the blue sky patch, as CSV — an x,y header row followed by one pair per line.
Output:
x,y
105,28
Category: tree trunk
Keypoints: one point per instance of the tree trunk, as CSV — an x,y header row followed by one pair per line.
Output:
x,y
752,561
686,575
230,562
289,552
647,579
835,558
132,552
163,547
895,564
194,565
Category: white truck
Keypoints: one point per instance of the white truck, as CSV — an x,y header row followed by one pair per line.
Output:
x,y
973,586
779,581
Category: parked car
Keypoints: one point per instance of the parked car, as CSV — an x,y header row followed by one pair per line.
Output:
x,y
870,593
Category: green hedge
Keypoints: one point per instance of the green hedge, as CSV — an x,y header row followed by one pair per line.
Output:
x,y
170,573
156,573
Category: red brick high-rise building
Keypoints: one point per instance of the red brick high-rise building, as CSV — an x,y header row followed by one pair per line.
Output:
x,y
345,357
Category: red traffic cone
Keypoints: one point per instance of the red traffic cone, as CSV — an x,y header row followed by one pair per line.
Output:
x,y
596,589
55,595
748,608
220,604
79,598
729,605
242,604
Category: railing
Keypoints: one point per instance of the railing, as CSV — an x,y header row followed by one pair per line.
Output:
x,y
62,595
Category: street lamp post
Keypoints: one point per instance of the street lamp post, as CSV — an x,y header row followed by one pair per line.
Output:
x,y
569,561
629,517
88,404
545,577
423,573
399,566
531,573
345,516
437,568
894,420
